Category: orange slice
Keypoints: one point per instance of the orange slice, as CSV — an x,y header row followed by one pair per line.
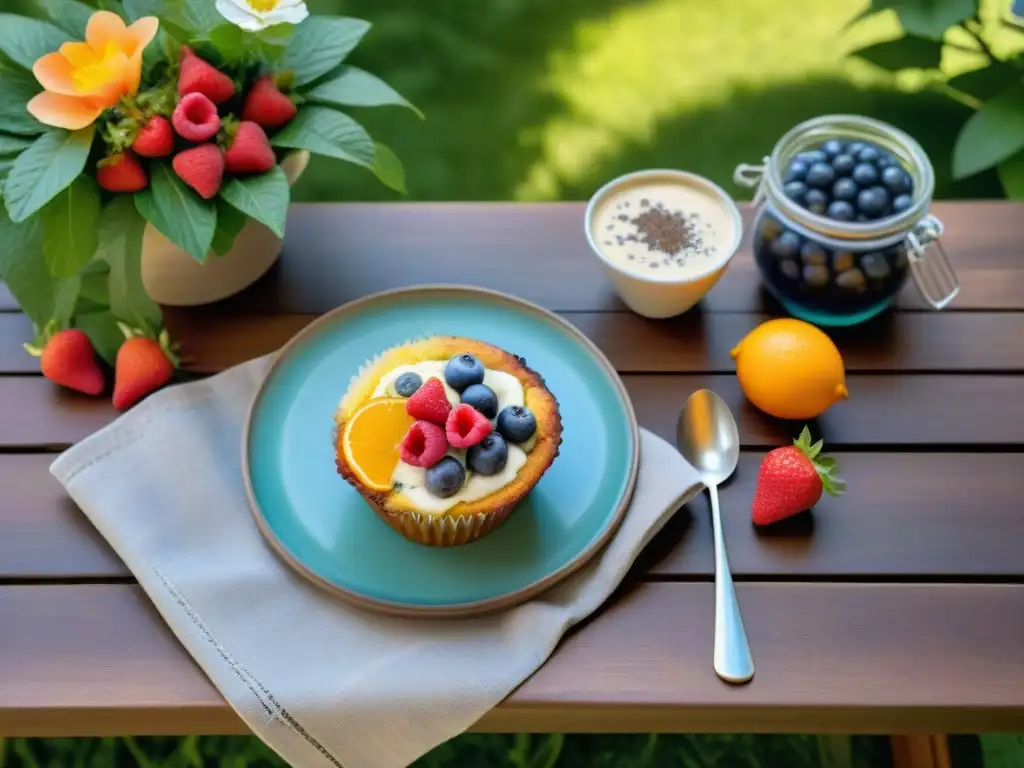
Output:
x,y
371,440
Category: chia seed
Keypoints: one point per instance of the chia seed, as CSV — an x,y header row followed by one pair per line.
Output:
x,y
667,232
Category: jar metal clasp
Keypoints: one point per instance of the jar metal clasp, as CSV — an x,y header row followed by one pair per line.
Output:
x,y
933,273
750,176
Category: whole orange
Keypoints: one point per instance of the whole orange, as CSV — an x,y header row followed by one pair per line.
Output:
x,y
790,369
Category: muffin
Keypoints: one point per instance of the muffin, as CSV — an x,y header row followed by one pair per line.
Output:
x,y
444,436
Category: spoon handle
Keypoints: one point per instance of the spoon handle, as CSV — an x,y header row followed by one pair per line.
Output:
x,y
733,662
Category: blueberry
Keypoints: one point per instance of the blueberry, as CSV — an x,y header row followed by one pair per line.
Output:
x,y
885,160
463,370
869,154
481,397
445,478
812,156
897,179
843,164
516,423
845,189
820,175
785,245
855,147
488,457
795,191
795,171
873,202
901,203
813,254
408,383
816,201
840,210
865,174
833,147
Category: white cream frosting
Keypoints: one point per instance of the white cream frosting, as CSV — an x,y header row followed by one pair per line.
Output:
x,y
509,391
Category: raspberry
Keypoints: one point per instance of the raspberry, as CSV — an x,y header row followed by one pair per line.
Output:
x,y
429,403
424,444
466,426
195,118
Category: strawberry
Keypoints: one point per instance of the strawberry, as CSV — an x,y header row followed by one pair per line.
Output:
x,y
155,139
198,76
266,105
69,359
195,118
142,366
429,403
202,168
424,444
466,426
250,150
791,479
121,173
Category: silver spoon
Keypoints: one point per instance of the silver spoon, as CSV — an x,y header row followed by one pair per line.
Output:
x,y
707,437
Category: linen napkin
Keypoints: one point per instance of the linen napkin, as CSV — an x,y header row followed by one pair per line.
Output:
x,y
324,684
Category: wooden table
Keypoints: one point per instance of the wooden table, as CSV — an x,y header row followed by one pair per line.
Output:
x,y
899,608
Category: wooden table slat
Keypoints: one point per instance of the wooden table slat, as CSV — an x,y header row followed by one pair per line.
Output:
x,y
863,658
900,410
904,517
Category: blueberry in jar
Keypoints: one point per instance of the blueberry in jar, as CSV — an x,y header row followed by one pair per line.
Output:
x,y
489,456
843,164
869,154
840,210
833,147
408,383
482,398
463,370
901,203
795,191
445,478
865,174
855,147
845,189
874,266
795,171
873,202
812,156
813,254
815,201
516,423
820,175
897,180
786,245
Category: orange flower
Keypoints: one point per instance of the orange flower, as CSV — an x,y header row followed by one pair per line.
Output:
x,y
83,79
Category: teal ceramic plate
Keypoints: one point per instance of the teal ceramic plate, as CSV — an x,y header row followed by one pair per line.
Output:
x,y
324,529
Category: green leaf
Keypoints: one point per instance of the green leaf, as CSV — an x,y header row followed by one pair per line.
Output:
x,y
136,9
329,133
1011,174
46,168
121,229
354,87
264,197
230,41
907,52
94,293
320,44
40,295
13,145
102,329
388,168
23,40
992,134
230,222
69,228
198,16
15,93
178,213
6,163
928,18
984,83
70,15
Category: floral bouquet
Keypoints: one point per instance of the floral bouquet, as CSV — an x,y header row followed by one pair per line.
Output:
x,y
175,113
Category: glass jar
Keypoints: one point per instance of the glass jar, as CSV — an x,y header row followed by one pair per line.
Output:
x,y
836,272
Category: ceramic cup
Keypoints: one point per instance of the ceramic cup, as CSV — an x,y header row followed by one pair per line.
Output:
x,y
660,293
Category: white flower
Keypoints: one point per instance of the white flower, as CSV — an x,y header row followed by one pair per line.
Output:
x,y
254,15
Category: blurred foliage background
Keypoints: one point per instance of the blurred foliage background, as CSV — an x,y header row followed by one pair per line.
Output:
x,y
541,100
